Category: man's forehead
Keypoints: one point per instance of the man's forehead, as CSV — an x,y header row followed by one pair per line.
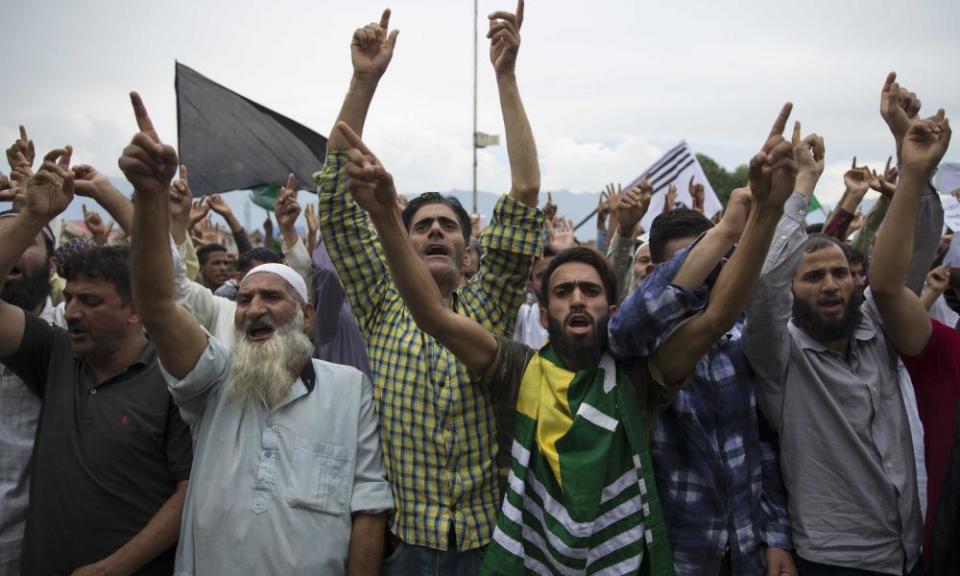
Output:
x,y
828,257
263,281
435,211
83,285
575,272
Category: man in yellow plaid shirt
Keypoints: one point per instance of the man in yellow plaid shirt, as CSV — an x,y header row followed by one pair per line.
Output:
x,y
437,425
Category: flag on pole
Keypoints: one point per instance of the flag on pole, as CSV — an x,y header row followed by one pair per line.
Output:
x,y
230,142
676,167
815,204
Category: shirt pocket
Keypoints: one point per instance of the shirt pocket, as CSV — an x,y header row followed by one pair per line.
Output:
x,y
320,477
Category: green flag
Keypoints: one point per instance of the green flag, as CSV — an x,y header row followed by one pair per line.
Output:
x,y
814,204
265,197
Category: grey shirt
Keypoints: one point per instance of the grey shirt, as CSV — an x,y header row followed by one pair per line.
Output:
x,y
845,443
273,492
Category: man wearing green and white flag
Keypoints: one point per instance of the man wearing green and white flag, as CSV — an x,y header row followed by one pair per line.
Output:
x,y
581,496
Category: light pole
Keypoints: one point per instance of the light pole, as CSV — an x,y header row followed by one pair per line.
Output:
x,y
473,136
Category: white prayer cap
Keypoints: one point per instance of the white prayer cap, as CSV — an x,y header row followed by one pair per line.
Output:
x,y
287,273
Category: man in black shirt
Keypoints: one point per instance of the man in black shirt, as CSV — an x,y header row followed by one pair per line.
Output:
x,y
112,456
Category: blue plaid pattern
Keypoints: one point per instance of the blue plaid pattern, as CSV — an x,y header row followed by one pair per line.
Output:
x,y
715,458
437,427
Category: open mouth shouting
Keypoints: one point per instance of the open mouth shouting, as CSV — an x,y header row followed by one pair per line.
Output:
x,y
259,330
831,305
580,324
436,251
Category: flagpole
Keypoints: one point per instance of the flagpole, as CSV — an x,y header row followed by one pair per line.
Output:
x,y
473,137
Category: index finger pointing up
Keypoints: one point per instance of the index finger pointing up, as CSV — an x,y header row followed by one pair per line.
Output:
x,y
143,118
385,20
519,14
291,182
781,123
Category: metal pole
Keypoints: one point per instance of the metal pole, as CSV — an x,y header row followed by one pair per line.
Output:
x,y
473,137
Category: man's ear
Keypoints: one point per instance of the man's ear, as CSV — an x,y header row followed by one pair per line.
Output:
x,y
544,316
308,314
52,266
611,310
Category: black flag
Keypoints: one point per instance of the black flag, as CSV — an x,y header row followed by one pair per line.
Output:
x,y
229,142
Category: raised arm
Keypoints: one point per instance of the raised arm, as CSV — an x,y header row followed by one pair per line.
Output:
x,y
372,187
905,319
773,174
371,51
150,166
504,35
220,206
47,194
92,184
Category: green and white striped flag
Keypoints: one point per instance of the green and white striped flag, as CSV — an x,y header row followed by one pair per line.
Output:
x,y
581,497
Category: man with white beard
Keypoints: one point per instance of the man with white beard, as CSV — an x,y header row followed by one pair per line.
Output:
x,y
288,475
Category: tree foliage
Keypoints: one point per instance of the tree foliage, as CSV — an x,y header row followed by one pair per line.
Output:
x,y
722,181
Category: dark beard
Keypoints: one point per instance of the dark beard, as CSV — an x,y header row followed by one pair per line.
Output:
x,y
824,331
29,292
578,353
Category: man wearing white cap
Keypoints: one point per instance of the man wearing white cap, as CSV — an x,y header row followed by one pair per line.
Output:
x,y
288,475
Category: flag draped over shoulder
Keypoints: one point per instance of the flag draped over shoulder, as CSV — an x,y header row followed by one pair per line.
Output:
x,y
581,497
676,167
229,142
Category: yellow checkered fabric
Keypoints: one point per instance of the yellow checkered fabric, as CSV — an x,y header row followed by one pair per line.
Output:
x,y
437,425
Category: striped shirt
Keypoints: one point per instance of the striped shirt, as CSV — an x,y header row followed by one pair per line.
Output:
x,y
437,428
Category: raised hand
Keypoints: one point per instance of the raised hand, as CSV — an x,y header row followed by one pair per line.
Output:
x,y
372,48
21,152
925,143
614,194
560,234
670,198
857,179
7,192
198,210
89,182
287,208
216,203
370,184
885,184
96,226
697,195
549,209
313,221
476,226
148,163
49,191
633,206
898,106
773,171
181,206
810,153
504,35
938,279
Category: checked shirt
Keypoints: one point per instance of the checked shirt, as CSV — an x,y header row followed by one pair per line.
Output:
x,y
437,426
715,457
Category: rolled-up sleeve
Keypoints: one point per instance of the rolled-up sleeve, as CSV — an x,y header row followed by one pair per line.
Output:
x,y
654,309
371,491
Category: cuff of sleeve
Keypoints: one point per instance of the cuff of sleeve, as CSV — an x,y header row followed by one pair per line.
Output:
x,y
779,539
515,227
334,163
371,498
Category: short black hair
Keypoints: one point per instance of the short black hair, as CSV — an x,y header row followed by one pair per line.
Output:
x,y
261,254
428,198
853,255
588,256
203,253
817,242
674,224
110,263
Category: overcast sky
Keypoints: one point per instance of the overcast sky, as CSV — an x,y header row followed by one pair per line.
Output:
x,y
608,85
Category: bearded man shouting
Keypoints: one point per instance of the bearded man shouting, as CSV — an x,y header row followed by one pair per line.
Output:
x,y
288,475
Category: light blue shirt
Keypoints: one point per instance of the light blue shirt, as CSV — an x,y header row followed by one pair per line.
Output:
x,y
273,492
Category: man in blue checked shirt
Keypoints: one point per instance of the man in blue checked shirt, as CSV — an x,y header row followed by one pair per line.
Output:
x,y
714,456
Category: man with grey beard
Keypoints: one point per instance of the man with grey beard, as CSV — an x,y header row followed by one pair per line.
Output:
x,y
288,475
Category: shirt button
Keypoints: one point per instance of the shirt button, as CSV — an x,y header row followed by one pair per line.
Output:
x,y
94,391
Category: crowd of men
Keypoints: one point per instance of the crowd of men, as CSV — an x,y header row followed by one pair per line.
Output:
x,y
405,392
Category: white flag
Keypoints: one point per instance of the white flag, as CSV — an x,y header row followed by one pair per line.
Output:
x,y
676,167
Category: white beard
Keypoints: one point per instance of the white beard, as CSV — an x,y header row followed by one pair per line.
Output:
x,y
265,371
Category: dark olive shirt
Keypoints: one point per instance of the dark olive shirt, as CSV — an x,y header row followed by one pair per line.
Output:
x,y
106,458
